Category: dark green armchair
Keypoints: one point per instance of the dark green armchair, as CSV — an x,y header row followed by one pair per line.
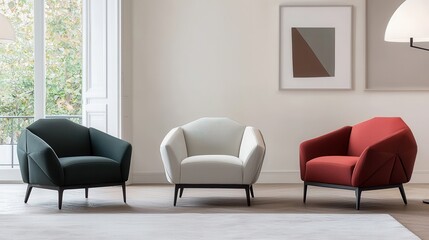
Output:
x,y
59,154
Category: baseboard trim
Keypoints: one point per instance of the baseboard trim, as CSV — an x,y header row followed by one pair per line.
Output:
x,y
149,177
420,176
287,176
8,175
264,177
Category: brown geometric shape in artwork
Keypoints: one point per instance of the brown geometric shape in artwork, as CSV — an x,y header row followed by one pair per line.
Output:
x,y
305,62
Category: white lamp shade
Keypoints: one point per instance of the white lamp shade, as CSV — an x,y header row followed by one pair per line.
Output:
x,y
410,20
6,30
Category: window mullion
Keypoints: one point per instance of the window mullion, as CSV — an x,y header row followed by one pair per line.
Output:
x,y
39,59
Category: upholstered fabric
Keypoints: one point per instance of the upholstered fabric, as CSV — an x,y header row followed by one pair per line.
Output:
x,y
331,169
252,151
377,152
43,164
211,136
84,170
173,152
389,161
213,151
107,146
58,152
331,144
65,137
212,169
370,132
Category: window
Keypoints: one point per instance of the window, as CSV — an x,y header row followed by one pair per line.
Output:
x,y
41,72
63,48
65,63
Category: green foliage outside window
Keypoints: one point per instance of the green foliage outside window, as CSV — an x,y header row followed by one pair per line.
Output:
x,y
17,61
63,48
63,57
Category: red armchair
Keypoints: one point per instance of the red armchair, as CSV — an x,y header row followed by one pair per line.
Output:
x,y
375,154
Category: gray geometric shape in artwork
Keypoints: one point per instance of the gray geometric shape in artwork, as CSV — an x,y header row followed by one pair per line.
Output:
x,y
322,42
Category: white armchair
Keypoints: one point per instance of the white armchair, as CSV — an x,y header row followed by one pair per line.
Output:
x,y
213,153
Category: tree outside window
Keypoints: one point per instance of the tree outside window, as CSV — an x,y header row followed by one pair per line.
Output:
x,y
63,50
63,57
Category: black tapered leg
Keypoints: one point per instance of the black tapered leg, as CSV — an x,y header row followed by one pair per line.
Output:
x,y
358,193
247,195
426,201
181,192
124,192
251,191
404,197
27,194
176,189
60,197
86,192
305,193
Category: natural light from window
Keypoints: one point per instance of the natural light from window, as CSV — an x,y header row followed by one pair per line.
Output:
x,y
63,57
63,68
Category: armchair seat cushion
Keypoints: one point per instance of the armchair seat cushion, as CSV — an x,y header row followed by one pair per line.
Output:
x,y
212,169
90,170
331,169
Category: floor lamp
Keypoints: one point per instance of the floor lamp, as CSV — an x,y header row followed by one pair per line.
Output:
x,y
410,23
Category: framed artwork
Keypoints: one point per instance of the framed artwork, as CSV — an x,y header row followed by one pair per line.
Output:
x,y
392,66
315,47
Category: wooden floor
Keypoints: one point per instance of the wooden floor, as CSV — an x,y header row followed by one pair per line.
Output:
x,y
269,198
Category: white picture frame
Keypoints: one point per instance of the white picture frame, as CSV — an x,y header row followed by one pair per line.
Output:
x,y
338,18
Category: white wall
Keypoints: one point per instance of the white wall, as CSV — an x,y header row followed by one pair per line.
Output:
x,y
195,58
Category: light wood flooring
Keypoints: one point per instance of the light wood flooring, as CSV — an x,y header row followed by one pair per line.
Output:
x,y
269,198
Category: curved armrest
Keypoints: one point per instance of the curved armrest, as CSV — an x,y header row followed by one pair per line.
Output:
x,y
252,152
376,164
21,150
105,145
173,151
333,143
45,158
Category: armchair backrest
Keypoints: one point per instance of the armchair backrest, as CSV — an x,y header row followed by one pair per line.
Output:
x,y
371,131
65,137
213,136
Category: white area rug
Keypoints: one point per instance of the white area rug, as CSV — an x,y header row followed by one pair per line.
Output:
x,y
202,226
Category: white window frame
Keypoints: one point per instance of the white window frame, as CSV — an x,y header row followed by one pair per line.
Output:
x,y
39,60
102,78
13,175
92,105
